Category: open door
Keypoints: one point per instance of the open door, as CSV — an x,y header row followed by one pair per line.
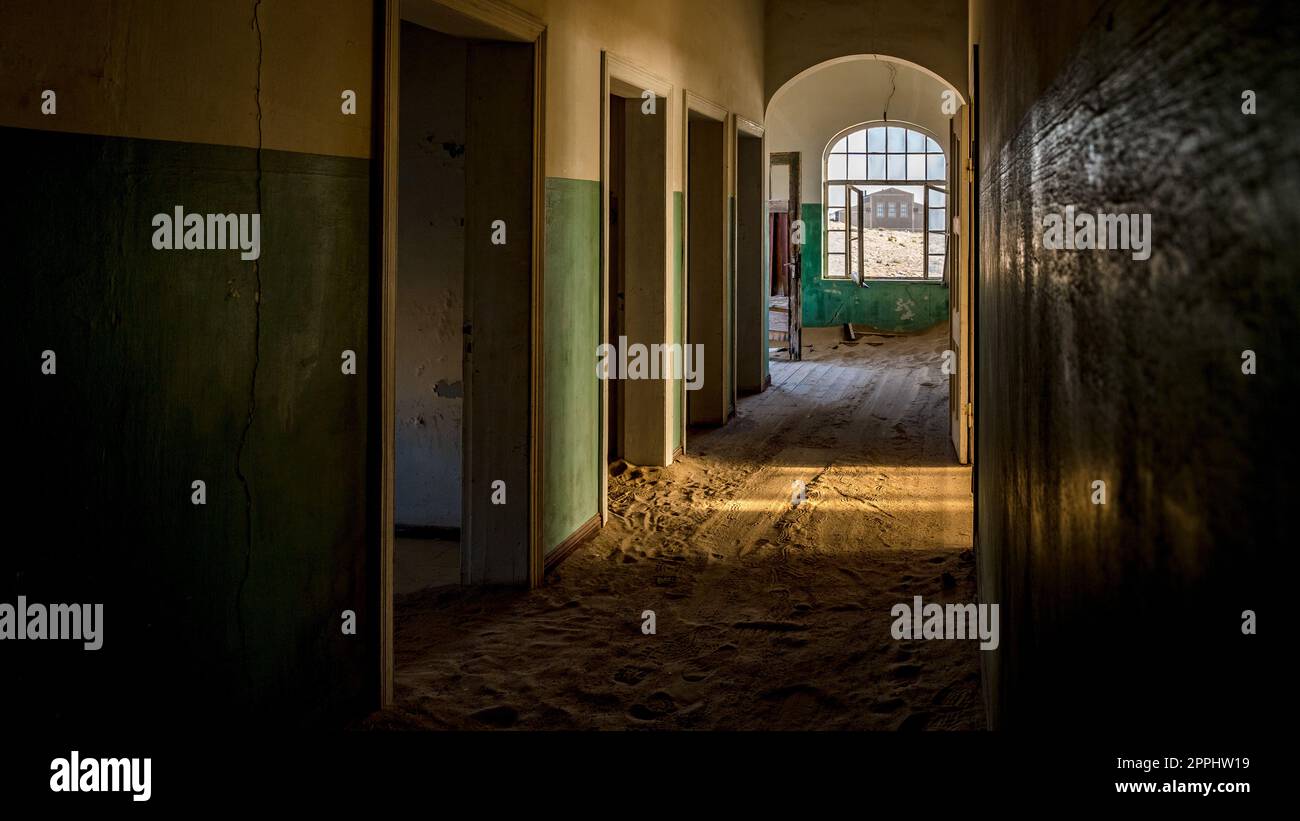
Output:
x,y
751,298
784,187
957,276
857,231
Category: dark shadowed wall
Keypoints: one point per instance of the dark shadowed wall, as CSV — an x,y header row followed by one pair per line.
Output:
x,y
430,279
182,365
1095,366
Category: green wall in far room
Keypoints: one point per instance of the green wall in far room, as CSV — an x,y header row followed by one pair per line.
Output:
x,y
895,307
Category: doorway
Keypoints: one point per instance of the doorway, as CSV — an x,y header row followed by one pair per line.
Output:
x,y
638,402
616,273
751,280
453,318
786,228
706,264
430,401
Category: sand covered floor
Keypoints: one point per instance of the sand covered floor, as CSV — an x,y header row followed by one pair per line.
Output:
x,y
769,615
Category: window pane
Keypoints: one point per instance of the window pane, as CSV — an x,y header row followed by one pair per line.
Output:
x,y
858,141
840,147
897,166
857,166
938,197
897,139
836,166
931,145
936,219
936,266
916,166
880,209
876,139
835,242
875,166
836,195
936,243
915,141
937,168
835,265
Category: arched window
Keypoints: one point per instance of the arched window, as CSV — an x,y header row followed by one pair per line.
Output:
x,y
886,203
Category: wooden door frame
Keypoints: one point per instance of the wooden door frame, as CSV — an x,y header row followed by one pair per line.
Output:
x,y
620,76
514,25
744,126
794,160
960,269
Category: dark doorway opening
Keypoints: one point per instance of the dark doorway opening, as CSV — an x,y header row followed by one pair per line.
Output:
x,y
705,260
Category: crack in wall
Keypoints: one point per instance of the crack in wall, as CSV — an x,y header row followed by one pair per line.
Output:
x,y
257,357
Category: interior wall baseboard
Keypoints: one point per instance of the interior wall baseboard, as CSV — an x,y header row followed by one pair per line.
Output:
x,y
446,534
566,547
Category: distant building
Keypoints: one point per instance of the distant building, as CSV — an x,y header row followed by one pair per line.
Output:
x,y
891,209
894,210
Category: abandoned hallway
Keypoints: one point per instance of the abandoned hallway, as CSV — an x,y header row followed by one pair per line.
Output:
x,y
771,612
985,304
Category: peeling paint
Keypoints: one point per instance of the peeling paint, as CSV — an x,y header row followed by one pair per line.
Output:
x,y
449,390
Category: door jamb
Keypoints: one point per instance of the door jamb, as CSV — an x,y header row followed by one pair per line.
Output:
x,y
750,128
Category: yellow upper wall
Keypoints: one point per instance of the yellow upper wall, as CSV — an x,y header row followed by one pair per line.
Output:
x,y
160,69
187,71
714,48
805,33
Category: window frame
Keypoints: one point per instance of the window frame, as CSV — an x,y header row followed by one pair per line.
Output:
x,y
926,185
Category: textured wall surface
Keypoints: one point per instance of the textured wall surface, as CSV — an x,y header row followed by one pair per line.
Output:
x,y
170,370
1096,366
803,33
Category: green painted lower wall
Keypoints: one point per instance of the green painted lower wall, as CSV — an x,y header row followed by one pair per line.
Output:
x,y
896,307
170,370
571,393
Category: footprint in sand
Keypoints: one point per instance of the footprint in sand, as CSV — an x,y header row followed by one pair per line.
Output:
x,y
631,675
500,716
659,705
905,672
915,721
770,626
